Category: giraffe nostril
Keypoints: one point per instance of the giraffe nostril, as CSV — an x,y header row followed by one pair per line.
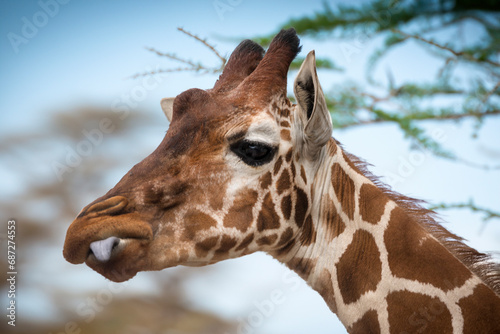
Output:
x,y
102,249
108,206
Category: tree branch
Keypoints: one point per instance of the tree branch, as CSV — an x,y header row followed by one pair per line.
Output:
x,y
488,214
458,54
488,95
204,42
171,56
422,118
192,66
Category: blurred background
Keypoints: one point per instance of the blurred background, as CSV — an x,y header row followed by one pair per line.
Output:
x,y
413,87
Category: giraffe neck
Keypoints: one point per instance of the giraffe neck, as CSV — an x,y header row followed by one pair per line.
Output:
x,y
377,267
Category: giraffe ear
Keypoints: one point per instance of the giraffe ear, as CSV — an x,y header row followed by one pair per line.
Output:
x,y
167,105
313,109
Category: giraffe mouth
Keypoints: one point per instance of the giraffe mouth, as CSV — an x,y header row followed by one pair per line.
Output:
x,y
114,246
117,259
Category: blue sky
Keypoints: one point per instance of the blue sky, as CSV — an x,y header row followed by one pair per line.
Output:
x,y
83,53
85,50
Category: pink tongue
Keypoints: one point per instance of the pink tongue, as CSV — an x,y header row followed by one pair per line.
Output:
x,y
102,249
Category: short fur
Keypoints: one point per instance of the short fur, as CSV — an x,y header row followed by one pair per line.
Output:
x,y
479,263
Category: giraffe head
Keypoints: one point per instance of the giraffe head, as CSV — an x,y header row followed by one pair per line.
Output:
x,y
228,179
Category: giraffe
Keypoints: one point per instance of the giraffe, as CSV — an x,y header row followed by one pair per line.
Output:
x,y
241,169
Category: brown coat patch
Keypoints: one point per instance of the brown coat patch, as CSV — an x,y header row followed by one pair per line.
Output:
x,y
277,166
285,124
334,224
268,218
248,239
217,200
203,247
286,206
289,154
196,221
302,266
301,206
285,112
481,311
267,240
285,135
371,203
303,174
415,313
324,287
226,244
308,235
367,324
240,214
285,249
359,269
414,254
344,189
284,182
266,180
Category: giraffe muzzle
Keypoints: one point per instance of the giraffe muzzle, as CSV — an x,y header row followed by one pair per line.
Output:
x,y
104,231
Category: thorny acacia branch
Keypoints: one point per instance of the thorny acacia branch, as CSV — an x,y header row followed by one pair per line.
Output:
x,y
191,66
204,41
458,54
420,118
470,205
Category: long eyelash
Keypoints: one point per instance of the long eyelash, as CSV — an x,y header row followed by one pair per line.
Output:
x,y
236,137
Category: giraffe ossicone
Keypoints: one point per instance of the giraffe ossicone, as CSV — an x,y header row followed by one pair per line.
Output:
x,y
241,169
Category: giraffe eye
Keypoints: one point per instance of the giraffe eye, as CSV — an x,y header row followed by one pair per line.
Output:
x,y
253,153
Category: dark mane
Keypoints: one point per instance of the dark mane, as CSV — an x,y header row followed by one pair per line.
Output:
x,y
480,264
